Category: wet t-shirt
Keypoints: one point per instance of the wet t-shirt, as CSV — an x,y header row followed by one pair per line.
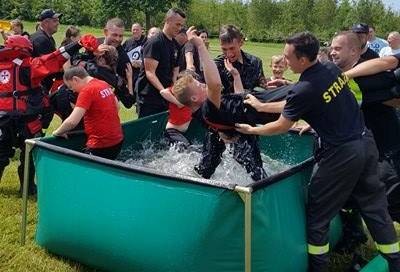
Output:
x,y
233,110
323,99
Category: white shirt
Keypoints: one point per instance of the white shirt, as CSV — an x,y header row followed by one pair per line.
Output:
x,y
388,51
377,44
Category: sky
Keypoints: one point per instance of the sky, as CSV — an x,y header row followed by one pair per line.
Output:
x,y
394,4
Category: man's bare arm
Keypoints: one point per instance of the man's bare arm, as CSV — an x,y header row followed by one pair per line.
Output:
x,y
211,74
373,66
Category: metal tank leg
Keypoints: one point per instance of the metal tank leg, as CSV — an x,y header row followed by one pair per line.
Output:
x,y
245,195
29,146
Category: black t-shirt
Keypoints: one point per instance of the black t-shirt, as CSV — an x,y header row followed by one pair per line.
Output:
x,y
42,43
369,54
132,44
378,87
190,48
163,50
379,118
133,49
251,72
323,99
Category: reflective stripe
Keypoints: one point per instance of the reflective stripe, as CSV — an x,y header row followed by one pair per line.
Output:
x,y
389,248
64,53
318,250
354,88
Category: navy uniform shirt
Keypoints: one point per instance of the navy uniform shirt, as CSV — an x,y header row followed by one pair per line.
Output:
x,y
382,120
251,72
323,99
163,50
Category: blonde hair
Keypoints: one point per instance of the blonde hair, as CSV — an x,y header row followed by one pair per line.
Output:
x,y
278,59
181,89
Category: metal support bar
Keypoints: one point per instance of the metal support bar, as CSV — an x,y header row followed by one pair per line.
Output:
x,y
245,195
28,148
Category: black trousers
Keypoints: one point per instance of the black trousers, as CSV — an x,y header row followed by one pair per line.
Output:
x,y
246,152
174,136
13,133
348,172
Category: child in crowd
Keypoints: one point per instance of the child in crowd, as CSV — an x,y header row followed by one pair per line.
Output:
x,y
278,66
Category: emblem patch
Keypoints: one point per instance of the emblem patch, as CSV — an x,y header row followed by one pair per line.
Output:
x,y
4,76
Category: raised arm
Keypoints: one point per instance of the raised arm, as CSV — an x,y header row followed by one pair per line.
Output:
x,y
237,80
211,74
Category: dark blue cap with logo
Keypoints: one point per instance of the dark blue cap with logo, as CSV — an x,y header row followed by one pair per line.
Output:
x,y
49,14
360,28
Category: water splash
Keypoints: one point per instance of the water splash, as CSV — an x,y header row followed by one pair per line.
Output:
x,y
173,160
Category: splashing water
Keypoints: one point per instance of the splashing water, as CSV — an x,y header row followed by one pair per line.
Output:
x,y
173,160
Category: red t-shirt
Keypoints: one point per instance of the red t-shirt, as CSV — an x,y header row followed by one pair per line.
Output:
x,y
178,116
102,124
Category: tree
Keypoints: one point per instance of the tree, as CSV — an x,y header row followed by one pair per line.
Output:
x,y
153,7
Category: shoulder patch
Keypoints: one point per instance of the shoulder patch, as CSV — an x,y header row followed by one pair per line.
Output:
x,y
4,76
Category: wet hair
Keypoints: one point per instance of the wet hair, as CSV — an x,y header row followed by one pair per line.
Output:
x,y
109,58
228,33
352,38
115,22
71,32
76,71
181,89
188,72
305,45
173,12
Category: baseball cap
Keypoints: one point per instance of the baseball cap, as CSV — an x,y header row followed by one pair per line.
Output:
x,y
360,28
48,14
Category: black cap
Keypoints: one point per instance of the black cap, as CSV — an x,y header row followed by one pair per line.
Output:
x,y
48,14
360,28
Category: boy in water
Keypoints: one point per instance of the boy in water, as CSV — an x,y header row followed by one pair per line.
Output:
x,y
220,113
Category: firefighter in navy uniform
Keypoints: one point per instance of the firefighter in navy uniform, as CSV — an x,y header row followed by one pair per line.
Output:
x,y
346,166
21,95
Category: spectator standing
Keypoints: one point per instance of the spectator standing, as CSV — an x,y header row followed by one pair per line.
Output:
x,y
394,45
160,67
374,42
133,48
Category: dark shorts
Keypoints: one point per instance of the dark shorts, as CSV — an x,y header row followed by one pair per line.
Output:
x,y
110,152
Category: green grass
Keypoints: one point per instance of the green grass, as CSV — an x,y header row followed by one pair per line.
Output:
x,y
14,257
